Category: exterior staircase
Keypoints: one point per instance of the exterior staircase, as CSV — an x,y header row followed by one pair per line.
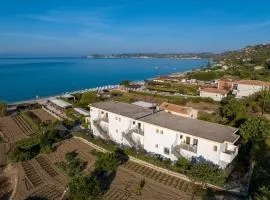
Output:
x,y
176,151
131,141
103,133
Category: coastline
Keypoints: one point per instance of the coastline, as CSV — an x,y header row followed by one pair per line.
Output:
x,y
75,76
65,93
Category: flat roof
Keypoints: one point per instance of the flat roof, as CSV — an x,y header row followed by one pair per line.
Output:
x,y
214,90
207,130
253,82
82,111
175,108
144,104
125,109
60,103
67,96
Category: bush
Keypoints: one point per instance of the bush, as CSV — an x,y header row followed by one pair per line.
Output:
x,y
84,188
207,172
107,162
73,165
69,156
183,163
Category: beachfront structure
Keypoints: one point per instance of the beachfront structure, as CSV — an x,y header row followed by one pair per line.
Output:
x,y
82,111
163,133
182,111
213,93
59,104
249,87
56,107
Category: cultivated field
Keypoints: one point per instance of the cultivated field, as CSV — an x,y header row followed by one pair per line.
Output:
x,y
158,186
4,148
44,116
40,176
14,129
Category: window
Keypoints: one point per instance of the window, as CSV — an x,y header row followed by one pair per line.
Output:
x,y
119,119
195,141
134,122
157,131
187,140
102,112
156,145
116,130
215,148
181,136
166,151
116,118
161,132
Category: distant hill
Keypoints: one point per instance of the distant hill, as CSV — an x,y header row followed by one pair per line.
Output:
x,y
153,55
248,56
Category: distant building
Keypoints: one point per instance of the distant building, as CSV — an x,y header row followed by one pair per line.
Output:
x,y
162,133
213,93
249,87
225,84
182,111
162,79
225,67
59,104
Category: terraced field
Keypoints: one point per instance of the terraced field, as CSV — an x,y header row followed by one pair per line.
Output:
x,y
125,183
11,131
24,126
162,178
43,115
4,148
40,176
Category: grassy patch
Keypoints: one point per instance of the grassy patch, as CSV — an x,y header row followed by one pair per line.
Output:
x,y
31,119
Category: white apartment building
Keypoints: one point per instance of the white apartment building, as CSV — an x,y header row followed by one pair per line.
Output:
x,y
249,87
163,133
213,93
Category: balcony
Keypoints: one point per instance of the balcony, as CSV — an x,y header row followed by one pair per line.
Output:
x,y
105,119
138,131
227,156
102,132
188,147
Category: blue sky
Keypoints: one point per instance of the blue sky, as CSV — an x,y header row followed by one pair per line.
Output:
x,y
78,27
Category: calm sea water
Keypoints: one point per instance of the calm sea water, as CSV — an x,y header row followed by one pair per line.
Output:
x,y
23,79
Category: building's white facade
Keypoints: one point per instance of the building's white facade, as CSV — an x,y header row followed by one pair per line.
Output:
x,y
216,96
157,139
249,87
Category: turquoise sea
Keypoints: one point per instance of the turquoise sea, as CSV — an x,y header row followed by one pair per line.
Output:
x,y
26,78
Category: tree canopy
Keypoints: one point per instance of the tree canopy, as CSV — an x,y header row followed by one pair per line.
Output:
x,y
255,130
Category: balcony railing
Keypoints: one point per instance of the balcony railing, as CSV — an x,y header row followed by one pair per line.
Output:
x,y
105,119
100,130
188,147
138,131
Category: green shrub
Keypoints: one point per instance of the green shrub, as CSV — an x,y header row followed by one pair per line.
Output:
x,y
207,172
107,162
1,139
84,188
183,163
